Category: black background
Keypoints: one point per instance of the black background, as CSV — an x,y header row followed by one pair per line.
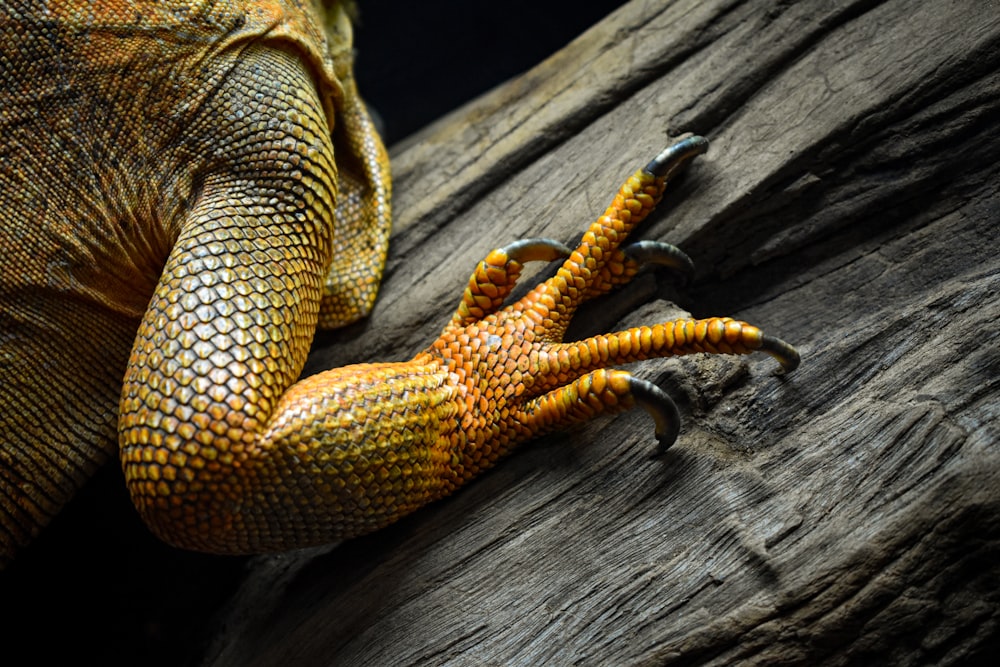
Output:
x,y
419,60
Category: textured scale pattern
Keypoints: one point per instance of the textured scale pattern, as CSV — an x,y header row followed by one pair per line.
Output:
x,y
351,450
202,173
182,212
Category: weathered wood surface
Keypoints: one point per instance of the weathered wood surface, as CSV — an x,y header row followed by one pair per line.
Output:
x,y
850,203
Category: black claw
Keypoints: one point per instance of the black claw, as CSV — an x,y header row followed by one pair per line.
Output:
x,y
677,154
662,254
663,410
786,355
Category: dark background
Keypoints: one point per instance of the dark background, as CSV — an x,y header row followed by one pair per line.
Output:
x,y
417,61
96,587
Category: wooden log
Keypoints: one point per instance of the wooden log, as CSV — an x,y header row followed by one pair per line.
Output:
x,y
849,203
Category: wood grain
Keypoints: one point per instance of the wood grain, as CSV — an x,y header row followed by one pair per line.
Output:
x,y
849,203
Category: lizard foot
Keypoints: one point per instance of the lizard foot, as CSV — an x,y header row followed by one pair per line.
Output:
x,y
520,379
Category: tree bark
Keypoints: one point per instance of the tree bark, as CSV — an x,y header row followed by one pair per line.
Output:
x,y
849,512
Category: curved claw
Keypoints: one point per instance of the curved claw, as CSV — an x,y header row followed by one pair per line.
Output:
x,y
661,254
536,250
674,156
786,355
663,410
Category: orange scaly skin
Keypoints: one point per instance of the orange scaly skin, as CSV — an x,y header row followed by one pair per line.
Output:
x,y
186,190
202,172
351,450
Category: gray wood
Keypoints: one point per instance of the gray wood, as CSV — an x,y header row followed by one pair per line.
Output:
x,y
849,512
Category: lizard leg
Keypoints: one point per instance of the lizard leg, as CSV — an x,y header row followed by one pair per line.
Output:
x,y
210,382
223,452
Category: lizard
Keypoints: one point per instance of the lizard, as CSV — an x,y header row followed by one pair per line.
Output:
x,y
188,190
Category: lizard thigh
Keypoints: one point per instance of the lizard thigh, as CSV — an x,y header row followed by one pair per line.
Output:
x,y
229,326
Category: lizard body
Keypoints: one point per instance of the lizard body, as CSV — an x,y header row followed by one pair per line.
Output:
x,y
187,189
197,136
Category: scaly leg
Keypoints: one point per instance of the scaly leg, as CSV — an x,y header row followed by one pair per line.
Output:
x,y
230,455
